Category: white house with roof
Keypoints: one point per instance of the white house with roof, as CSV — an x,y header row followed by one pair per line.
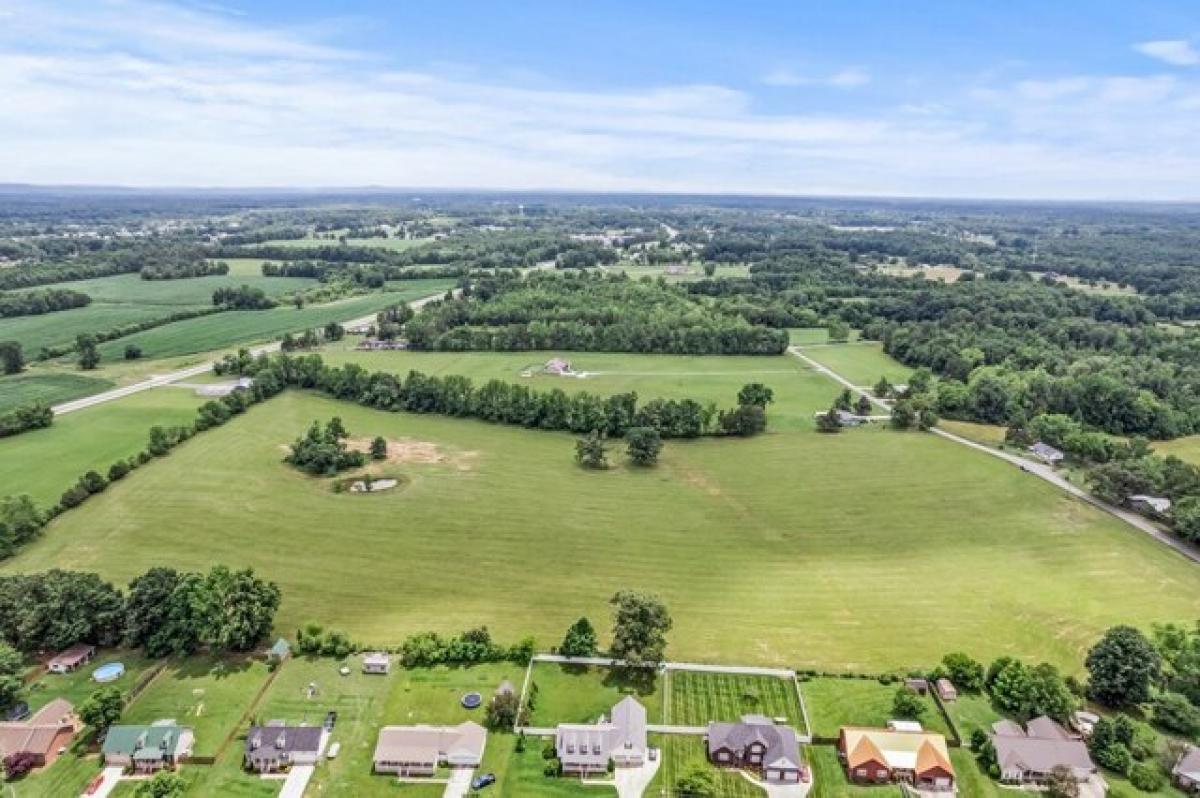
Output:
x,y
588,747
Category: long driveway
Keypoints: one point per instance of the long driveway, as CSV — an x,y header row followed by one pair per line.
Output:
x,y
1045,472
160,380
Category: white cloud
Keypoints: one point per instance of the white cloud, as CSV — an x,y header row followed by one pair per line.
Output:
x,y
843,79
1177,52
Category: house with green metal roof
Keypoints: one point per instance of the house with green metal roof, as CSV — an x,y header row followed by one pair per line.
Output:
x,y
280,651
147,748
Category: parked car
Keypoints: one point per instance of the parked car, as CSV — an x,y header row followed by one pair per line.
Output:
x,y
483,781
330,719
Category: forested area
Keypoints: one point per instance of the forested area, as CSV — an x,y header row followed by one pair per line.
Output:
x,y
35,303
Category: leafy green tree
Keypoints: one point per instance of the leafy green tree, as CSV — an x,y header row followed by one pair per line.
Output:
x,y
828,421
699,782
89,354
1175,713
502,710
1122,667
12,668
863,406
20,522
11,359
590,452
882,388
580,640
245,608
755,393
1061,783
839,331
379,448
1147,776
640,626
102,708
906,704
164,784
745,420
964,672
132,352
643,445
147,608
55,609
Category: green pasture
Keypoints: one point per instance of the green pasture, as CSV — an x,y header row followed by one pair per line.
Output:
x,y
831,549
233,328
22,389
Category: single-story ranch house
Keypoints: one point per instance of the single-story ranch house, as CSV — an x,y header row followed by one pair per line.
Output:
x,y
147,748
276,747
881,755
417,750
72,658
1026,756
757,743
587,748
42,735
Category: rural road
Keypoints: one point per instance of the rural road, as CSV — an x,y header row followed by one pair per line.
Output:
x,y
160,380
1035,468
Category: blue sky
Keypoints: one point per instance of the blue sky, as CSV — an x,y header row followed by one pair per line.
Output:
x,y
1088,100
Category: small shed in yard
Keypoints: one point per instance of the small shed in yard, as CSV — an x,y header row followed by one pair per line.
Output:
x,y
946,690
376,662
917,685
72,658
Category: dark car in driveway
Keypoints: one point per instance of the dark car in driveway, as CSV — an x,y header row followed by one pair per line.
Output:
x,y
330,719
479,782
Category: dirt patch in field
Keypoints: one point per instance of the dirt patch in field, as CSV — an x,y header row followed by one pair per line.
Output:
x,y
407,450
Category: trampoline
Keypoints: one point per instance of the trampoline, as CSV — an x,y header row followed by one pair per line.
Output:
x,y
472,700
109,673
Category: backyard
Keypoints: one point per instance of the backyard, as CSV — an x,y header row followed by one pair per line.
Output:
x,y
697,697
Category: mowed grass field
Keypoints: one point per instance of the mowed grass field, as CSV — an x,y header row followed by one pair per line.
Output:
x,y
232,328
861,363
1184,448
789,548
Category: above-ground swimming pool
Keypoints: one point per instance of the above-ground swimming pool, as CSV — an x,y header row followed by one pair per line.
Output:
x,y
472,700
109,673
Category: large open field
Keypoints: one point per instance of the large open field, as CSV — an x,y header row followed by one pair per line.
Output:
x,y
792,547
242,327
861,363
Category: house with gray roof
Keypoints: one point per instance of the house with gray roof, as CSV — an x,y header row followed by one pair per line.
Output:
x,y
757,743
588,747
417,750
1027,756
147,748
273,748
1186,772
1047,453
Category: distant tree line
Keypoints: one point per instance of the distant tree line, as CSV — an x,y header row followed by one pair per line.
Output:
x,y
183,269
158,258
35,303
371,276
243,297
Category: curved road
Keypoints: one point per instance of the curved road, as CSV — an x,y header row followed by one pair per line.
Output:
x,y
1037,469
160,380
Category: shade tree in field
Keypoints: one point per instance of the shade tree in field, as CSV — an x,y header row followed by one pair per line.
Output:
x,y
12,361
640,626
1122,667
580,640
379,448
643,445
755,393
20,522
591,452
1026,691
829,422
323,452
965,673
89,353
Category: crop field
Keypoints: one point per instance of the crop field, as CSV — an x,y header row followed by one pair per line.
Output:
x,y
698,697
209,695
582,693
799,392
861,363
831,548
833,703
61,327
21,389
45,462
249,326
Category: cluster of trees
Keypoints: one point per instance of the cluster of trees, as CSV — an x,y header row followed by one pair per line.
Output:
x,y
473,645
243,297
35,303
25,418
495,401
183,269
323,452
586,312
368,275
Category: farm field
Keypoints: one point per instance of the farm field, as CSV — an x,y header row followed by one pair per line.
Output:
x,y
582,693
61,327
695,698
799,391
861,363
209,695
45,462
22,389
822,564
833,703
232,328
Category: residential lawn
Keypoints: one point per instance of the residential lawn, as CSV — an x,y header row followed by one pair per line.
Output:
x,y
697,698
51,389
790,548
1116,781
972,781
971,712
833,703
434,695
1184,448
582,693
519,774
208,694
861,363
232,328
829,778
799,393
988,434
66,776
682,755
45,462
78,685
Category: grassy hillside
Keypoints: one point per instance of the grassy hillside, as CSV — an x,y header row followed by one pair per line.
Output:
x,y
824,551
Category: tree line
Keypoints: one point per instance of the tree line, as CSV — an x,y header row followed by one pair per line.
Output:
x,y
37,415
36,303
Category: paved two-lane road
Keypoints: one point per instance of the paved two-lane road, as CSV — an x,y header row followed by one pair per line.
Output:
x,y
160,380
1037,469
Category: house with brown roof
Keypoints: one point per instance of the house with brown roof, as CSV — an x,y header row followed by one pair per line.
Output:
x,y
42,735
1027,756
920,759
757,743
418,750
72,658
588,747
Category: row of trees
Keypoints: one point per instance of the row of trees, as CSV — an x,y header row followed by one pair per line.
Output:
x,y
35,303
243,297
184,269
